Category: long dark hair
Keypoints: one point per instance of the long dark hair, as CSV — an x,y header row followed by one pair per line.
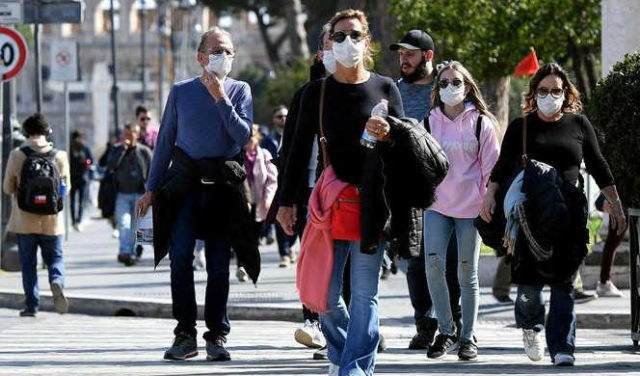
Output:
x,y
572,103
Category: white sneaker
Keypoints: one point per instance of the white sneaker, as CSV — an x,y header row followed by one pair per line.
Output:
x,y
608,289
199,262
334,369
532,344
310,335
563,360
115,234
241,274
285,261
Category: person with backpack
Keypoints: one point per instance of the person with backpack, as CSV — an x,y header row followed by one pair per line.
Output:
x,y
554,133
80,161
37,177
461,122
129,162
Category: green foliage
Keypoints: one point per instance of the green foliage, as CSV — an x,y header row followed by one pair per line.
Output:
x,y
614,112
279,89
491,36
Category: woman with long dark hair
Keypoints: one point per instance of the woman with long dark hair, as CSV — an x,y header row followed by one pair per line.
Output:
x,y
557,134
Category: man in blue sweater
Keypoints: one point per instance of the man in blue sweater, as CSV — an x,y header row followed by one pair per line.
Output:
x,y
206,116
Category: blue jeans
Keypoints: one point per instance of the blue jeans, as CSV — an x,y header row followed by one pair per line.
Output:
x,y
352,335
560,330
51,247
437,233
126,220
217,254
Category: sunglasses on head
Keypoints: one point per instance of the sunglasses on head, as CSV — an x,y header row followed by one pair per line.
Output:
x,y
456,82
543,92
340,36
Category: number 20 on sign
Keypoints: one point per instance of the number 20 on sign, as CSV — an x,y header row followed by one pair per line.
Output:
x,y
13,53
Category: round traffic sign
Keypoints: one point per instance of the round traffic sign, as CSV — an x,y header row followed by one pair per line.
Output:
x,y
13,53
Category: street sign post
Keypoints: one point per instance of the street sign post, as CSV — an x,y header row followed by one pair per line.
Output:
x,y
13,53
64,67
10,12
53,13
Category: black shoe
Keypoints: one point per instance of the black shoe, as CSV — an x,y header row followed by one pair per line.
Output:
x,y
425,332
321,354
382,344
504,299
184,347
467,351
385,273
139,249
442,345
127,260
580,296
28,313
216,351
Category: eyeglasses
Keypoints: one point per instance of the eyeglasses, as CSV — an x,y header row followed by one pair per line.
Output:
x,y
145,118
280,116
543,92
220,50
444,83
340,36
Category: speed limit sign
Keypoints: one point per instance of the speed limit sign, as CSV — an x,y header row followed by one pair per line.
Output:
x,y
13,53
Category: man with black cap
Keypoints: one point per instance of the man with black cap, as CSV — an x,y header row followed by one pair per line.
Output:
x,y
416,52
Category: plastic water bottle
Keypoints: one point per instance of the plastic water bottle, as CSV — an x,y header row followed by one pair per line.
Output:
x,y
381,110
63,187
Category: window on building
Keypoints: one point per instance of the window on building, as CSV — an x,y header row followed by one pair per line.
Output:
x,y
149,9
102,19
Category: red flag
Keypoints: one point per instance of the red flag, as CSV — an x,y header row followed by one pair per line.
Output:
x,y
528,66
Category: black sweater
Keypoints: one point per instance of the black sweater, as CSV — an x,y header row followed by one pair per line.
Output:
x,y
347,108
562,144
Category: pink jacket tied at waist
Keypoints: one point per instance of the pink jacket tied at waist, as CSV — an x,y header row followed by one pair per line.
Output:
x,y
315,264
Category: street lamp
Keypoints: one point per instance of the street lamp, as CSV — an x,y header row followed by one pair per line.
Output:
x,y
114,87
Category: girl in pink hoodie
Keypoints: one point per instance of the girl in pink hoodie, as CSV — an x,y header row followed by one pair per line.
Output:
x,y
454,121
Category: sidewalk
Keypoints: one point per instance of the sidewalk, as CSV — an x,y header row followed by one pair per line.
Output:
x,y
96,284
71,344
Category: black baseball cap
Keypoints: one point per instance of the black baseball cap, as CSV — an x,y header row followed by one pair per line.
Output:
x,y
414,40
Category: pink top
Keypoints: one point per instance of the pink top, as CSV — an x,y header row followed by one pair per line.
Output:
x,y
460,193
151,136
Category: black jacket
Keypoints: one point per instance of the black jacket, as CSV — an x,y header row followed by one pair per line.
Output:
x,y
222,210
409,186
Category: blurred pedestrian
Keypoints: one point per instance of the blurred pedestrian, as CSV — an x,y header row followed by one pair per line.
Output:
x,y
80,160
37,177
262,176
416,55
129,162
148,130
606,288
196,187
555,133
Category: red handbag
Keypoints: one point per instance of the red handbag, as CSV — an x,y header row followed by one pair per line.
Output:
x,y
345,212
345,215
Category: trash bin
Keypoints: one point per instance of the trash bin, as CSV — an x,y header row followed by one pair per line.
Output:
x,y
634,286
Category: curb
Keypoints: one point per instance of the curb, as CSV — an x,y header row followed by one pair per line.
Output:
x,y
99,306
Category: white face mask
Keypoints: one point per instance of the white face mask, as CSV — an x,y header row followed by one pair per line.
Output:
x,y
452,96
329,61
348,53
550,105
220,64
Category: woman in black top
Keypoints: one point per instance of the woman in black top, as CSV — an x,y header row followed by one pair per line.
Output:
x,y
559,136
351,93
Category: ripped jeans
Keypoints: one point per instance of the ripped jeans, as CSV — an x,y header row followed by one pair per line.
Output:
x,y
437,232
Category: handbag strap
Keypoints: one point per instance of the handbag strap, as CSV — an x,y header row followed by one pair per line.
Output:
x,y
524,141
323,138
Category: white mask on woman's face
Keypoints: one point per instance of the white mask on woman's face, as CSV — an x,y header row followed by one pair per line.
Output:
x,y
348,53
549,105
329,61
220,64
452,96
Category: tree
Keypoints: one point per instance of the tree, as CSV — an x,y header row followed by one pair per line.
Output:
x,y
490,36
268,13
